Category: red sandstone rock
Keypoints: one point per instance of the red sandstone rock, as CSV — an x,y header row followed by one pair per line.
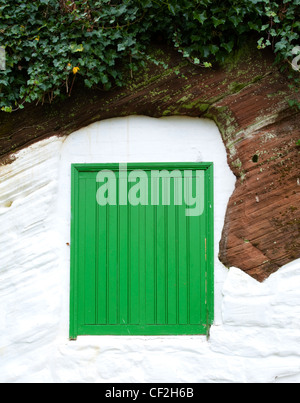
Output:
x,y
247,98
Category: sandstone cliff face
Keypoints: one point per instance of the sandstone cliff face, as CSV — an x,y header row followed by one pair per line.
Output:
x,y
248,99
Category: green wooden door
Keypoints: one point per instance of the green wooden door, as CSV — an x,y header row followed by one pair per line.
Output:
x,y
141,257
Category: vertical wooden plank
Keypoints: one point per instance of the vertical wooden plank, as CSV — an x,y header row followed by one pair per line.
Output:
x,y
203,250
195,270
90,252
112,252
161,248
123,261
172,259
134,265
102,296
142,262
123,248
129,263
195,284
183,275
151,234
203,273
188,262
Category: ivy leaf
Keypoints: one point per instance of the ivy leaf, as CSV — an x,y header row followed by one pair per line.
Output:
x,y
217,21
200,17
121,47
228,46
214,49
294,103
7,109
235,20
76,48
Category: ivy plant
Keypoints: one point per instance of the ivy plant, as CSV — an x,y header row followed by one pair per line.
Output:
x,y
49,44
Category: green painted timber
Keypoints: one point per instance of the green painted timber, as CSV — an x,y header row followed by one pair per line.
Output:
x,y
142,267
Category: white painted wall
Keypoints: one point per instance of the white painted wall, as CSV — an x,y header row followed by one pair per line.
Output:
x,y
256,335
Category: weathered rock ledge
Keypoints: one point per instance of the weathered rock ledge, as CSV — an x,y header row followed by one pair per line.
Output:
x,y
247,98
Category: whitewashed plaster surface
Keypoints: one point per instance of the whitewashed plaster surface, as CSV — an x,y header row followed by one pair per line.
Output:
x,y
256,335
